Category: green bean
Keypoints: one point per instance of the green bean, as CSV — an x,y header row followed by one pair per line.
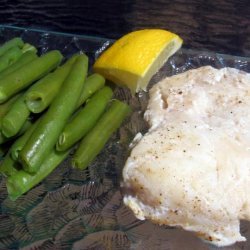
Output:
x,y
42,93
25,126
9,57
29,47
84,120
21,182
2,151
25,58
8,166
13,121
52,123
28,73
10,44
3,139
18,145
92,84
5,107
95,140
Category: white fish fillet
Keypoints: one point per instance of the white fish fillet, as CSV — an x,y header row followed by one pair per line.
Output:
x,y
192,168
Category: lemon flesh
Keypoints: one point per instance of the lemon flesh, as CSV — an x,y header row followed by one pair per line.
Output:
x,y
133,59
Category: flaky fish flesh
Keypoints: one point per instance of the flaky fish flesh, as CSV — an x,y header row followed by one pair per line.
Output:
x,y
192,168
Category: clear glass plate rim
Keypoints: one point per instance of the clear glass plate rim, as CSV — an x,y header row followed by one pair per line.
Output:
x,y
104,39
68,34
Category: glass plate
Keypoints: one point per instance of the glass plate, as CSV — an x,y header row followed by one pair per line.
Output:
x,y
74,209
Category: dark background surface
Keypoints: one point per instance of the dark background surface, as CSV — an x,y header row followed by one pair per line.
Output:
x,y
219,25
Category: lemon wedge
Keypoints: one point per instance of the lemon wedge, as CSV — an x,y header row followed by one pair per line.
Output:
x,y
133,59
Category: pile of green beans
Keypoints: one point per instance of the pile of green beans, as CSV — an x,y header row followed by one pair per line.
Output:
x,y
49,109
